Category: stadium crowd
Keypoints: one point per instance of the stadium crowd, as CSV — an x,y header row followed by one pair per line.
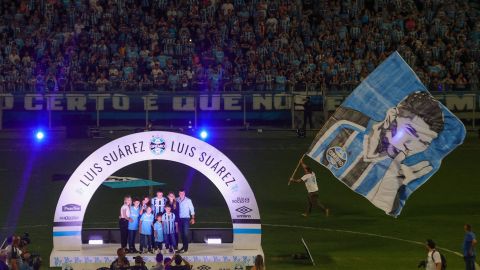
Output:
x,y
232,45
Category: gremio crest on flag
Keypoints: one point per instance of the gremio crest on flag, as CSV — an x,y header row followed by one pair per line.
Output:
x,y
388,137
336,156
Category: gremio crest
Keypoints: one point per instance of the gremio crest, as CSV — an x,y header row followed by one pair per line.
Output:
x,y
157,145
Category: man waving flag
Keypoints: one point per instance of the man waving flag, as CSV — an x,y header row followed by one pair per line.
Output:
x,y
388,137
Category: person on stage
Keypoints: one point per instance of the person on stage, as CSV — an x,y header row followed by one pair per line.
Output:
x,y
133,225
170,226
310,181
158,203
172,201
145,204
124,218
146,225
158,233
187,217
158,206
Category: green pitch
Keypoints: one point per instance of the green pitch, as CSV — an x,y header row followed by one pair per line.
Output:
x,y
355,236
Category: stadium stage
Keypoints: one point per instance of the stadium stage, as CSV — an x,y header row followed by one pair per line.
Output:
x,y
214,257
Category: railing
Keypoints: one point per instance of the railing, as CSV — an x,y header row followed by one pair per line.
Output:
x,y
201,86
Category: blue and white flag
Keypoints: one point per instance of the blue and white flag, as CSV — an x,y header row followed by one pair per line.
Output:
x,y
388,137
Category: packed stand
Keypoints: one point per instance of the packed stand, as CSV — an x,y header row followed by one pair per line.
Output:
x,y
232,45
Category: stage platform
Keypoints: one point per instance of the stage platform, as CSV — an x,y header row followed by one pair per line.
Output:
x,y
201,256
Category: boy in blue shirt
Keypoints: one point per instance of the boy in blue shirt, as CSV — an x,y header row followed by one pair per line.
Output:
x,y
170,226
158,233
146,222
133,225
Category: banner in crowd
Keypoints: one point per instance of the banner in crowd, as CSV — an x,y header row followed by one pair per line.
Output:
x,y
21,109
388,137
179,102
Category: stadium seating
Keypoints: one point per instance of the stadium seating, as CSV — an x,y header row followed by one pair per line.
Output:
x,y
232,45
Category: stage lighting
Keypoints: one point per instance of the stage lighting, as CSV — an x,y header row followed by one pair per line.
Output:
x,y
39,135
95,242
203,134
214,241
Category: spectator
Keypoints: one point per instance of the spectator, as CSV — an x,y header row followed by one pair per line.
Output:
x,y
121,262
167,263
259,265
460,82
3,260
159,265
26,262
180,263
14,253
139,264
171,36
145,83
102,83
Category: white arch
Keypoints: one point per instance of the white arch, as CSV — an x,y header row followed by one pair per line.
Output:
x,y
159,145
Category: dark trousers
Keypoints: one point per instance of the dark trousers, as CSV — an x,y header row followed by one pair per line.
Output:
x,y
123,224
153,239
313,202
145,242
469,262
307,116
158,245
131,239
184,225
170,242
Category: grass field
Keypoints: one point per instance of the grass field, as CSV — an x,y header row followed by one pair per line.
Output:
x,y
355,236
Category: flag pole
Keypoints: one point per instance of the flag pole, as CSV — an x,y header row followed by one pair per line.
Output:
x,y
296,168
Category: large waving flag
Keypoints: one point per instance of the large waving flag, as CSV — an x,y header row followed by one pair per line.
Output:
x,y
388,137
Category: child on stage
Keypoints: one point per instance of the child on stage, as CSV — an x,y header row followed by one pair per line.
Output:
x,y
158,203
158,233
170,226
158,206
133,225
146,222
144,205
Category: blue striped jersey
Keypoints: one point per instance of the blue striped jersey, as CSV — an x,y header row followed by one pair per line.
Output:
x,y
168,222
158,205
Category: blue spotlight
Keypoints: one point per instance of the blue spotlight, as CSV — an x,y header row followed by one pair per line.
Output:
x,y
203,134
39,135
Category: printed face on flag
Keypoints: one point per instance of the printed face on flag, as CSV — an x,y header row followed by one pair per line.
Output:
x,y
409,128
388,137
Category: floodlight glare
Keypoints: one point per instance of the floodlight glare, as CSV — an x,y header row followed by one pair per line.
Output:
x,y
39,135
203,134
